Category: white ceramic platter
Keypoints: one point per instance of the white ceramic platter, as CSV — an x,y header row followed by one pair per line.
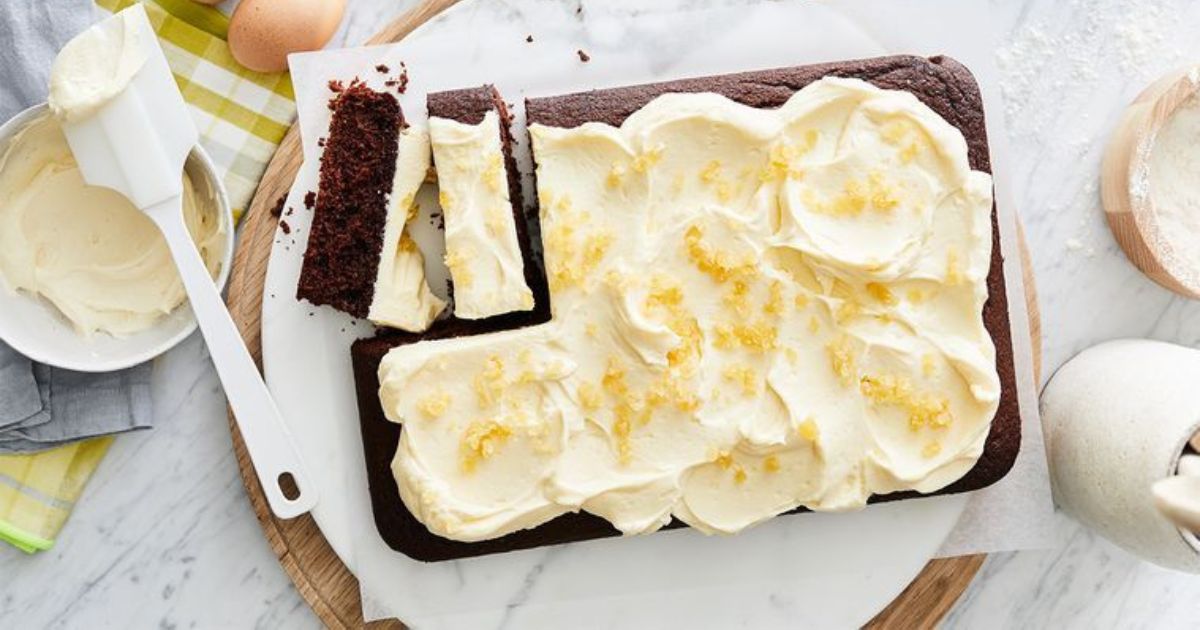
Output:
x,y
824,570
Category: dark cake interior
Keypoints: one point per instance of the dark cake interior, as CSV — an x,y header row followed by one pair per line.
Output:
x,y
357,167
940,82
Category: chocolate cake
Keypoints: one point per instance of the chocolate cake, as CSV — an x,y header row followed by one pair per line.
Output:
x,y
941,83
357,167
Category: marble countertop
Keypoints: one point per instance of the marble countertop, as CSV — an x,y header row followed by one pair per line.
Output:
x,y
165,536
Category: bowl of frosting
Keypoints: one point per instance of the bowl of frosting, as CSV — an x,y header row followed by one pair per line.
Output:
x,y
86,280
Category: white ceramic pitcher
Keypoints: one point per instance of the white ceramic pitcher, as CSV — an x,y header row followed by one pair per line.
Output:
x,y
1117,417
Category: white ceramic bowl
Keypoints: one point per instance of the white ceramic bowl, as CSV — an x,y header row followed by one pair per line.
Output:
x,y
35,328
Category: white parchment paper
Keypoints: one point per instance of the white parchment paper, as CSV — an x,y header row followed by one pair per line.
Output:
x,y
826,558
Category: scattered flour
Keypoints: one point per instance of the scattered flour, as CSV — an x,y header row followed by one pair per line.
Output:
x,y
1086,49
1082,242
1140,36
1071,51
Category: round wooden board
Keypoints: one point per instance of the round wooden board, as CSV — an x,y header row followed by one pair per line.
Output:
x,y
324,582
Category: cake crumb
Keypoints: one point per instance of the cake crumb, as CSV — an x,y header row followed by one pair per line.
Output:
x,y
400,81
277,209
310,199
283,225
382,69
529,39
584,57
321,142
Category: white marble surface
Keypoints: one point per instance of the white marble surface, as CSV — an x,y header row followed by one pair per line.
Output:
x,y
165,537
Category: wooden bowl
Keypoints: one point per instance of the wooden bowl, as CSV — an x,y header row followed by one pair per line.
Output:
x,y
1128,201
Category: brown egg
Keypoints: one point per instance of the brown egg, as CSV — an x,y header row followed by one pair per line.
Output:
x,y
263,32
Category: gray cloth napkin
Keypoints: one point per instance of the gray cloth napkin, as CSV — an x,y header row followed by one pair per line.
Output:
x,y
40,406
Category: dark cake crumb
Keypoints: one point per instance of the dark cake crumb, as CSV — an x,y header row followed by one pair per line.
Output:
x,y
277,209
400,81
382,69
321,142
310,200
584,57
350,209
283,225
529,39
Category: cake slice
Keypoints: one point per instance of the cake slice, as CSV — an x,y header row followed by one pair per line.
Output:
x,y
942,84
360,258
480,198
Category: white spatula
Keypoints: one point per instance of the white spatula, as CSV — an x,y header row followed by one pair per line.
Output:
x,y
136,144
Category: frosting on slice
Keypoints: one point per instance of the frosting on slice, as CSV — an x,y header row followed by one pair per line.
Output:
x,y
481,439
402,297
482,252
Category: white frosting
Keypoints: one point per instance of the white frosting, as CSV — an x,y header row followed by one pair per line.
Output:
x,y
101,261
98,64
754,310
481,237
402,297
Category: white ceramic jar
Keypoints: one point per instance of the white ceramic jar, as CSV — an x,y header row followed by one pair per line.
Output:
x,y
1117,418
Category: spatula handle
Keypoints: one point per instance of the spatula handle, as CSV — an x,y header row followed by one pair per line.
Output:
x,y
272,450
